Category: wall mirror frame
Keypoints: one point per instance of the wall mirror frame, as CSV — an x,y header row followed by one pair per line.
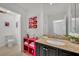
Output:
x,y
73,21
61,18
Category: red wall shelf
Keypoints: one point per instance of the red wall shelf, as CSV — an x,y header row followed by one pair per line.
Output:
x,y
30,46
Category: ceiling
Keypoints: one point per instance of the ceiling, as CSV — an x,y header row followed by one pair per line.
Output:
x,y
46,6
55,10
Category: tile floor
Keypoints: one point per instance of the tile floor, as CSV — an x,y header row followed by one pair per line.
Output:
x,y
11,51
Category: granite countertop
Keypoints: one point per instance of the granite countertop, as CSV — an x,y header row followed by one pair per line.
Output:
x,y
69,46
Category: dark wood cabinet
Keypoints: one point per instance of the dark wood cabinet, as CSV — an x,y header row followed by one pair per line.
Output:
x,y
45,50
37,49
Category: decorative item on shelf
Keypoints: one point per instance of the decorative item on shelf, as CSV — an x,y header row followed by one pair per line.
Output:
x,y
33,22
30,45
73,39
26,43
27,35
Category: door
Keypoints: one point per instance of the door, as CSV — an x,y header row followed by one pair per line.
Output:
x,y
10,31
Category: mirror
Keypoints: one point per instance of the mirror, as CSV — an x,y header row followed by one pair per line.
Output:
x,y
56,17
77,18
74,21
61,18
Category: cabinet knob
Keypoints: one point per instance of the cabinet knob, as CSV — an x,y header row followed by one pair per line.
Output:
x,y
44,48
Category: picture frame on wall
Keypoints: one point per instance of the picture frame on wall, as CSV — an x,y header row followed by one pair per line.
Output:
x,y
7,24
33,22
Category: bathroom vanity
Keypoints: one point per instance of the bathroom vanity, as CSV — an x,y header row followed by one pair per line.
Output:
x,y
43,48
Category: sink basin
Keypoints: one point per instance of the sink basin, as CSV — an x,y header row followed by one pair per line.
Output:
x,y
56,42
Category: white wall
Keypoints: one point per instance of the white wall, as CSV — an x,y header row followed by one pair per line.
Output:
x,y
45,24
34,10
10,17
16,8
40,17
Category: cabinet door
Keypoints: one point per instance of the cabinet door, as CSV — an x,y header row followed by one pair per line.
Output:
x,y
66,53
62,53
52,51
42,50
49,51
37,49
